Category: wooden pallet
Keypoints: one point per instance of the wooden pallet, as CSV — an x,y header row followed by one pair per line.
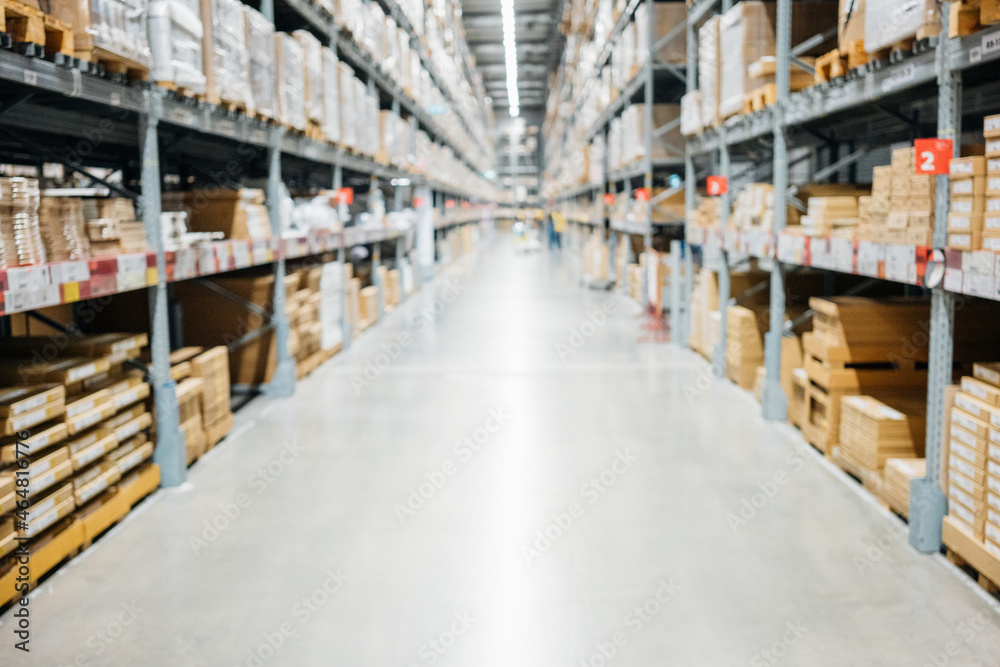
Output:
x,y
214,433
830,66
31,26
181,91
967,552
114,63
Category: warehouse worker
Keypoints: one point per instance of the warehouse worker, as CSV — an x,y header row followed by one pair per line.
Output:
x,y
557,229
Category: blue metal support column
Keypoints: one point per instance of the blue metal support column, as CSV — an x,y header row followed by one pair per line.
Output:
x,y
425,235
345,323
170,453
774,403
928,503
675,293
282,383
719,355
690,178
376,254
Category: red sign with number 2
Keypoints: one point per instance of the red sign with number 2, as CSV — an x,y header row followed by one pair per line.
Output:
x,y
933,156
717,186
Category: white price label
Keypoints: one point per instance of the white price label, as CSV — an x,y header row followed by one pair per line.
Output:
x,y
134,263
73,272
899,78
206,260
991,43
241,254
185,264
953,280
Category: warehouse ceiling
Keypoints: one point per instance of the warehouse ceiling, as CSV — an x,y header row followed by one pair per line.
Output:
x,y
539,46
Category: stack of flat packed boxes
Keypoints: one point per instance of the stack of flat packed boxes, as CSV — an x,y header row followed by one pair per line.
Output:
x,y
708,213
911,207
81,422
595,258
991,220
974,456
872,432
189,417
368,306
744,346
896,480
831,216
304,318
873,211
966,218
854,349
352,299
211,367
754,207
112,228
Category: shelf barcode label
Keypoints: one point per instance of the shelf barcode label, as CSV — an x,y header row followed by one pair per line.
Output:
x,y
991,43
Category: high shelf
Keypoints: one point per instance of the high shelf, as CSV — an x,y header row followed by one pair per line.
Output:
x,y
66,114
630,81
922,93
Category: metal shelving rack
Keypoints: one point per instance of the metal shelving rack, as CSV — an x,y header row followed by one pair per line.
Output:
x,y
930,85
110,116
643,86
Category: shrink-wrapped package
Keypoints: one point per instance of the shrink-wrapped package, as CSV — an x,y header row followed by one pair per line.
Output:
x,y
175,41
290,81
331,95
225,57
312,58
260,45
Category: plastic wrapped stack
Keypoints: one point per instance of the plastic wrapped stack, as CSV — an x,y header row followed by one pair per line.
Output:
x,y
290,81
110,27
260,45
175,38
312,60
226,57
331,96
19,231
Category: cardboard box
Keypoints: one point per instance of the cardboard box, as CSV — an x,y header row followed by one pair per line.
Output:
x,y
981,390
966,167
15,401
988,372
969,187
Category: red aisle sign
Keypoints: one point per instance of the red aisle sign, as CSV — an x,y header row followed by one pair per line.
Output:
x,y
933,156
717,186
642,194
449,203
345,196
609,199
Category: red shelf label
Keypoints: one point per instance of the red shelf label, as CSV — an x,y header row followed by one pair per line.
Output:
x,y
933,156
717,186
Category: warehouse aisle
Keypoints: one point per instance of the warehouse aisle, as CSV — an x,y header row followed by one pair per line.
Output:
x,y
500,476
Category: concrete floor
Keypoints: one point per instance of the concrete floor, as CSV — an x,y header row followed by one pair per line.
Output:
x,y
334,558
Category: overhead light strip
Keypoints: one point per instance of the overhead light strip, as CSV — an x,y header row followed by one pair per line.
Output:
x,y
510,56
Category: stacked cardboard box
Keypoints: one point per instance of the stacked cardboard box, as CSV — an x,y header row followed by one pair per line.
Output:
x,y
20,237
911,205
968,203
595,258
63,229
896,482
212,369
238,214
368,306
974,455
831,216
291,91
872,432
78,419
745,349
854,349
189,416
873,210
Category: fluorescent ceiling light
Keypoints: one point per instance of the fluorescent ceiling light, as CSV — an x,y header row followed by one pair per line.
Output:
x,y
510,56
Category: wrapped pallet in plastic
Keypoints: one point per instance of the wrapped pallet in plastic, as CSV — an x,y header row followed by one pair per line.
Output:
x,y
102,28
226,59
666,16
691,106
352,17
747,31
891,21
348,120
708,70
175,40
260,44
312,56
374,35
291,89
331,95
